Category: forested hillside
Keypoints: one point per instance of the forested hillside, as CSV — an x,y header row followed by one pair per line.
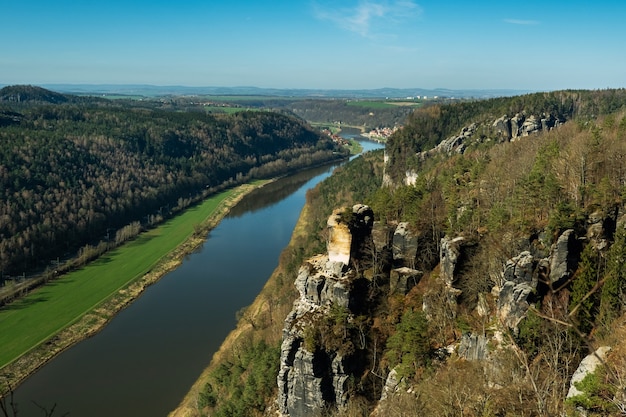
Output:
x,y
76,171
504,270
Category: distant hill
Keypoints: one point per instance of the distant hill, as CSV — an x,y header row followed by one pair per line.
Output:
x,y
29,93
155,91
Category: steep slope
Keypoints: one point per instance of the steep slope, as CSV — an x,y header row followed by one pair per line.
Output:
x,y
494,267
73,173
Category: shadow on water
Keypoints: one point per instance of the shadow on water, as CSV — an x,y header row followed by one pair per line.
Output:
x,y
276,191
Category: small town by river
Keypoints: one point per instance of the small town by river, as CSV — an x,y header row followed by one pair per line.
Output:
x,y
144,361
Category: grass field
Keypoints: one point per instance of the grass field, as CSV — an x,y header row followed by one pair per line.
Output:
x,y
30,321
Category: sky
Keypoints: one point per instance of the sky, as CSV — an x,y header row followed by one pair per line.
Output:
x,y
316,44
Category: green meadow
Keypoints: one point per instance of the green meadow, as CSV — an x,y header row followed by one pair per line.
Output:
x,y
30,321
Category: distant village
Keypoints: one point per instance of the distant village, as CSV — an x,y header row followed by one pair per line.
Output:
x,y
335,137
379,134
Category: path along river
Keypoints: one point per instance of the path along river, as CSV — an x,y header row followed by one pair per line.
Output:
x,y
144,361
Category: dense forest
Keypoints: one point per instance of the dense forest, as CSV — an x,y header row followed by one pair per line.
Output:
x,y
549,207
333,111
75,171
368,114
425,128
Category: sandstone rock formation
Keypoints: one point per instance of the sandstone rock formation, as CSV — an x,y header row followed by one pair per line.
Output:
x,y
312,377
404,244
587,366
339,239
473,347
448,257
502,127
519,280
564,257
401,280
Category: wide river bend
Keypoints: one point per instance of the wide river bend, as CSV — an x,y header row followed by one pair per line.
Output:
x,y
146,359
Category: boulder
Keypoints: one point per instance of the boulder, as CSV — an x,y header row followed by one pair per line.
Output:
x,y
587,366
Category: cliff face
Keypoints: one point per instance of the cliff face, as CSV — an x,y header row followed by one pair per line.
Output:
x,y
323,349
312,375
321,356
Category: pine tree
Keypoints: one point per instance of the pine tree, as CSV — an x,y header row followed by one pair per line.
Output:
x,y
583,301
615,279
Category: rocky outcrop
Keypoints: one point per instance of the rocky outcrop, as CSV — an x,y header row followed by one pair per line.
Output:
x,y
516,124
587,366
391,384
519,281
457,143
339,238
303,389
531,125
473,347
321,282
600,228
563,258
502,127
313,377
448,257
401,280
382,236
404,245
347,231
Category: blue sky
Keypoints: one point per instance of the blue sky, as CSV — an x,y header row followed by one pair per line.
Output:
x,y
344,44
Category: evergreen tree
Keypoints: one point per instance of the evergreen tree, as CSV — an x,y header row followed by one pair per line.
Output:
x,y
584,302
409,345
614,285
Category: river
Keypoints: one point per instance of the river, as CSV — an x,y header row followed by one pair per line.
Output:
x,y
146,359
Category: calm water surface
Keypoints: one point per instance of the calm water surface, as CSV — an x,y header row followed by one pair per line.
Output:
x,y
146,359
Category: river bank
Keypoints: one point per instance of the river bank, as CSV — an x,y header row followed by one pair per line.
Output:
x,y
94,320
261,322
263,319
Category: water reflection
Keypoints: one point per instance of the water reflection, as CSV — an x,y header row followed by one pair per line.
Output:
x,y
276,191
146,359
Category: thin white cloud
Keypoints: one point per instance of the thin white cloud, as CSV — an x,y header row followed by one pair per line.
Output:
x,y
366,16
521,22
